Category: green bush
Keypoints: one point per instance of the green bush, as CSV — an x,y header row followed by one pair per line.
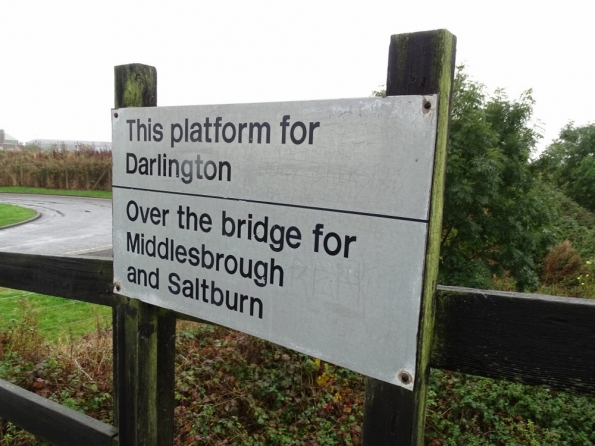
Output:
x,y
468,410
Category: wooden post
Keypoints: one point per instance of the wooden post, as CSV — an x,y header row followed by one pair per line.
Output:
x,y
419,64
144,337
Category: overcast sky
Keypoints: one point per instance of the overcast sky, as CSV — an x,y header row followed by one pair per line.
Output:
x,y
57,57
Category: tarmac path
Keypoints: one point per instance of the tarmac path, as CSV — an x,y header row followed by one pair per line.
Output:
x,y
66,226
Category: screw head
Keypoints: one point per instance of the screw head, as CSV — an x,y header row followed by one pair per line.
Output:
x,y
405,377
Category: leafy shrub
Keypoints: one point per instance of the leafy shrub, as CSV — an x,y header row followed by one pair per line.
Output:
x,y
561,265
469,410
236,389
571,221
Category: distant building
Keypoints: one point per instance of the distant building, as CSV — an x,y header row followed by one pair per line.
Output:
x,y
8,142
58,144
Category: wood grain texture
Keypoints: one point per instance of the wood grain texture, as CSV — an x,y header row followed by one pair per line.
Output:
x,y
419,64
144,335
135,85
51,421
144,367
526,338
80,278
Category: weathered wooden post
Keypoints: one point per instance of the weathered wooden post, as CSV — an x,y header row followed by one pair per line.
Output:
x,y
419,64
144,338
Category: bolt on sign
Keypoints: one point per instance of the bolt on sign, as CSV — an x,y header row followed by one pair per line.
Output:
x,y
303,223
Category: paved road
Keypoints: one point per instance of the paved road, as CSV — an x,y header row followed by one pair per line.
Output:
x,y
67,226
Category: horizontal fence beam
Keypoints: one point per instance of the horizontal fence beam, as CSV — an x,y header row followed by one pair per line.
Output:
x,y
80,278
86,279
528,338
51,421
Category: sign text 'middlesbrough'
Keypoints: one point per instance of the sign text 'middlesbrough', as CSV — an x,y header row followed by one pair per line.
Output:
x,y
303,223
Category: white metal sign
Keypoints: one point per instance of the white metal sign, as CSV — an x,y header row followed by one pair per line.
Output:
x,y
303,223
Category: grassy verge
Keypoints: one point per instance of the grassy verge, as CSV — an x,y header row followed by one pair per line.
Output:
x,y
57,319
39,190
10,214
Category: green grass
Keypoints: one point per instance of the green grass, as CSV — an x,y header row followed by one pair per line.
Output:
x,y
76,193
10,214
58,318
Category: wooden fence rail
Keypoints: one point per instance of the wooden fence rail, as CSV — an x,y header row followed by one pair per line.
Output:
x,y
52,421
527,338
